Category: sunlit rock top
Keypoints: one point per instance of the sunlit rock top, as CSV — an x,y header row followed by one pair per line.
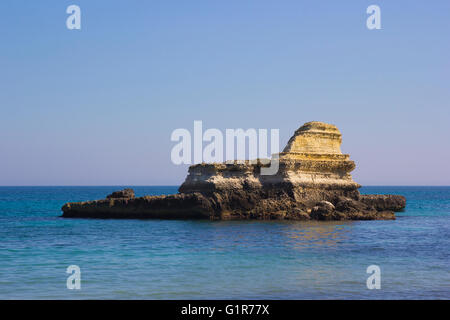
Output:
x,y
315,137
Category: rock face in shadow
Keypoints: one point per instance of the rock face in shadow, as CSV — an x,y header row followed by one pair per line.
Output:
x,y
313,181
122,194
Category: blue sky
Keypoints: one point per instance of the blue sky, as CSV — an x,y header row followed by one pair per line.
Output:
x,y
97,106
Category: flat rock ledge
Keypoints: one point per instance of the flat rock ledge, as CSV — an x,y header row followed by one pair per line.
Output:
x,y
313,182
238,205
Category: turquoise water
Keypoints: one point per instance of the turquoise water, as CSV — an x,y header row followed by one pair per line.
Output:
x,y
156,259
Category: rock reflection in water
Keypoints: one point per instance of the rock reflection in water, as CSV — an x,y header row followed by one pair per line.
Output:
x,y
313,234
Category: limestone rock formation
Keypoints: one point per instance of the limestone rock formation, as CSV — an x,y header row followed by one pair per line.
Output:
x,y
313,182
123,194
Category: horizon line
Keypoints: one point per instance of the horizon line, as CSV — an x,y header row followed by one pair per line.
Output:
x,y
173,185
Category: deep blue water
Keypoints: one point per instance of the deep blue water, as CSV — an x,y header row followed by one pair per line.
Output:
x,y
156,259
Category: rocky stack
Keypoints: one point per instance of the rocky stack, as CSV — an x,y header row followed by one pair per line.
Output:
x,y
312,181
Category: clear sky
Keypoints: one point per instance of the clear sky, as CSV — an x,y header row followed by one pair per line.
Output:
x,y
97,106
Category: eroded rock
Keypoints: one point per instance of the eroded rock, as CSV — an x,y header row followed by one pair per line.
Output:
x,y
313,182
384,201
323,210
122,194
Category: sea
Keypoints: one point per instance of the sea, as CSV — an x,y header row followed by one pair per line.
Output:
x,y
193,259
